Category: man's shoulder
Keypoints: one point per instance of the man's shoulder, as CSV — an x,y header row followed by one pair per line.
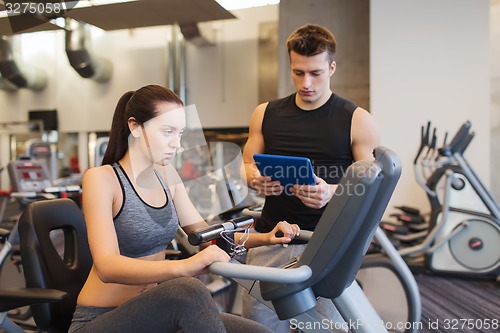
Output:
x,y
280,102
343,103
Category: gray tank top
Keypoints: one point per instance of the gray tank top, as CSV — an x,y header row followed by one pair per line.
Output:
x,y
143,229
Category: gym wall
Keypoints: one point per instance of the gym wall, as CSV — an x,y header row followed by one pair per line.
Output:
x,y
430,60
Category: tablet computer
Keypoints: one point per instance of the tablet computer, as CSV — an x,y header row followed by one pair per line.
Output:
x,y
289,170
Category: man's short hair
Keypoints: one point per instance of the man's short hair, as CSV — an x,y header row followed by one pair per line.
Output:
x,y
312,39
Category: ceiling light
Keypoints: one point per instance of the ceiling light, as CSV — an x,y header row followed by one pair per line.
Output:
x,y
241,4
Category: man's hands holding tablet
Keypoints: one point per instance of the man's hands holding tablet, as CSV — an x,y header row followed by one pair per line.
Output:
x,y
314,196
293,176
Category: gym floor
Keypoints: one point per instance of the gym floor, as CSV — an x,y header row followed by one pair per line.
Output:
x,y
452,304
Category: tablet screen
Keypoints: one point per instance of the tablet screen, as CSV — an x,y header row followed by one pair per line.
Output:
x,y
289,170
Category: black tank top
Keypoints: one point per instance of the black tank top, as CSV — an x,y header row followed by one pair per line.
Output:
x,y
323,135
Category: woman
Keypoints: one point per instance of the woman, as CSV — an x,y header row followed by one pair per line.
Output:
x,y
133,205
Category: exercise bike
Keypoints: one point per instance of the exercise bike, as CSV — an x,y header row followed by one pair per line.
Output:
x,y
30,182
384,278
333,254
463,232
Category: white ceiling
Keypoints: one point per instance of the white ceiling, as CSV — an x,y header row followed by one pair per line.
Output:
x,y
136,14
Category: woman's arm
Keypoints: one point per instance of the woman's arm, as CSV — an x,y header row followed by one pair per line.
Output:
x,y
191,220
100,190
282,233
186,211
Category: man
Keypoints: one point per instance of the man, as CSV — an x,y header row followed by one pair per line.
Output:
x,y
313,122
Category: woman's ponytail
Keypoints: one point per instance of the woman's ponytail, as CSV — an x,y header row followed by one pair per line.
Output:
x,y
118,136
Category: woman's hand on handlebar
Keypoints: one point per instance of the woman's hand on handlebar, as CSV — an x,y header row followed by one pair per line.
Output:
x,y
283,233
206,257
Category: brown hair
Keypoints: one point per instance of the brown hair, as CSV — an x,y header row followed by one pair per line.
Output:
x,y
312,39
141,105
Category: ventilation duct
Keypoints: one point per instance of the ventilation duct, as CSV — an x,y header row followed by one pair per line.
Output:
x,y
20,76
6,85
192,33
84,62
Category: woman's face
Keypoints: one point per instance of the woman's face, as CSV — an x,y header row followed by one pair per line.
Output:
x,y
163,133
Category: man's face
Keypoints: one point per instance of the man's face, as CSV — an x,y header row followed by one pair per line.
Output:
x,y
311,77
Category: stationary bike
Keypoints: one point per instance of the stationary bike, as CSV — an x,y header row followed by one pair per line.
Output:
x,y
462,236
30,182
385,279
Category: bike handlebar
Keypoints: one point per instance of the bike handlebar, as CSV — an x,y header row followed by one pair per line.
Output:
x,y
458,140
211,232
424,140
466,143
